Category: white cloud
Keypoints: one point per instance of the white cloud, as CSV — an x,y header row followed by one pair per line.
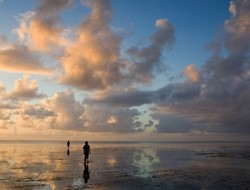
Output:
x,y
25,89
69,112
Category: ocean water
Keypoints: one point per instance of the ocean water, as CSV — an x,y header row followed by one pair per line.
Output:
x,y
41,165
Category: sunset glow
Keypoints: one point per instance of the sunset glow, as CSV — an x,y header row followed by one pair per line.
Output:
x,y
124,70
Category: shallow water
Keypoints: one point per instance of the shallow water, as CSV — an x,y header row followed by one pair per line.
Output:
x,y
49,165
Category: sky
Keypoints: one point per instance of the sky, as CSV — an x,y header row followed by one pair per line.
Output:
x,y
167,70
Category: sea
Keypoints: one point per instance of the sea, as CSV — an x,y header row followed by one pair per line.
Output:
x,y
51,165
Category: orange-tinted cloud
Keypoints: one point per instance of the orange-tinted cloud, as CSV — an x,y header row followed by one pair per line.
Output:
x,y
92,60
24,89
43,34
19,59
239,23
191,73
40,30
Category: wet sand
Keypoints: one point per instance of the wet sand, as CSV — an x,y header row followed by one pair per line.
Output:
x,y
46,166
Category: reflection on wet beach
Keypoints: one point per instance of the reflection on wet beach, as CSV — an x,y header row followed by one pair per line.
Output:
x,y
68,152
133,166
86,172
144,161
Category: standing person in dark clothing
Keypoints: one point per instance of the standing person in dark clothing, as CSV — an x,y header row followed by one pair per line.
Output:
x,y
68,144
86,151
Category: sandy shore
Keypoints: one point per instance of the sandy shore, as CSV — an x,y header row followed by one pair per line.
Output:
x,y
120,167
188,178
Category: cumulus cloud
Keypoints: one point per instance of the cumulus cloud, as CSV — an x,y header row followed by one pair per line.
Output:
x,y
112,120
239,23
2,87
48,7
147,59
38,111
103,118
40,29
130,98
236,42
221,98
173,124
214,99
69,112
4,44
25,89
134,97
92,61
191,73
4,116
19,59
62,111
43,34
36,117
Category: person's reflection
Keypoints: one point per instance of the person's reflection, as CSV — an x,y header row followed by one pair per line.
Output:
x,y
68,152
86,172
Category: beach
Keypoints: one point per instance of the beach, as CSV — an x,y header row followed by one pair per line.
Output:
x,y
37,165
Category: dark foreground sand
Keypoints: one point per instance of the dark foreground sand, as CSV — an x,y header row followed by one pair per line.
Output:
x,y
175,179
188,178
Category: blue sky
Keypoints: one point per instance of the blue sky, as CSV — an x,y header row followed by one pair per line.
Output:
x,y
144,70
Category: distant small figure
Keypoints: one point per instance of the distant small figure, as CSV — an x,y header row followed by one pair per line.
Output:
x,y
86,173
68,144
86,151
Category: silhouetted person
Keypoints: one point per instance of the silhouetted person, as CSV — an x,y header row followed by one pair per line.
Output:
x,y
86,173
86,151
68,144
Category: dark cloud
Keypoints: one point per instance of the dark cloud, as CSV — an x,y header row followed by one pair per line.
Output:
x,y
177,92
236,42
173,124
125,99
48,7
8,106
147,59
166,94
218,101
98,116
238,27
38,111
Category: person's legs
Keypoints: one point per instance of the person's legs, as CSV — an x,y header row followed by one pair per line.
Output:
x,y
87,157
